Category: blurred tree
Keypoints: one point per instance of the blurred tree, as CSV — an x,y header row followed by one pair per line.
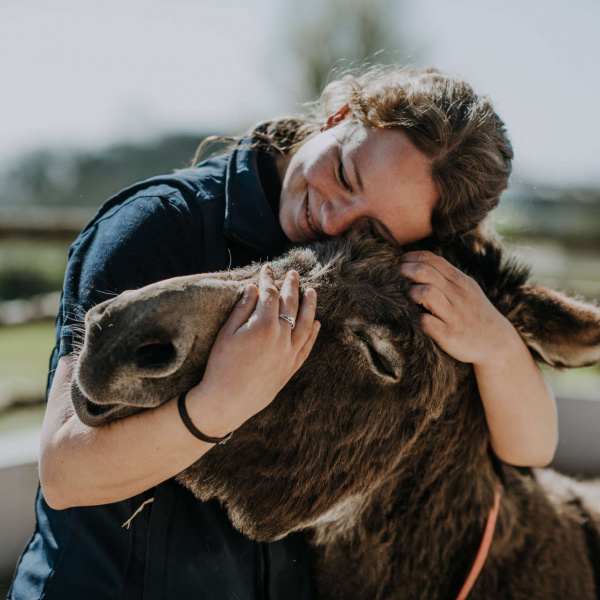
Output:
x,y
72,177
334,34
16,283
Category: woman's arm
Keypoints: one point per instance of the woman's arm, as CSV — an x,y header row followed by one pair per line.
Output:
x,y
253,357
519,405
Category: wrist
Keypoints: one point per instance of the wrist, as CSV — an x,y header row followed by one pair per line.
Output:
x,y
507,346
207,413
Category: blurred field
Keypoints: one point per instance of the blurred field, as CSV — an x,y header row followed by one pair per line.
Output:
x,y
576,383
24,356
23,417
25,352
49,256
575,271
31,266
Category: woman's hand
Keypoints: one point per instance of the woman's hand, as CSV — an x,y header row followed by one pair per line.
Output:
x,y
463,322
519,405
255,354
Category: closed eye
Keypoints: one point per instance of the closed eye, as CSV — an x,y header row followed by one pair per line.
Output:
x,y
380,362
341,176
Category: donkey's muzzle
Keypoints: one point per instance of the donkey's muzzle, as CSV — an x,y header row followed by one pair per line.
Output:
x,y
146,346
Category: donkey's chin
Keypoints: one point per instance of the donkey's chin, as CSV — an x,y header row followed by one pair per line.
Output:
x,y
93,414
259,531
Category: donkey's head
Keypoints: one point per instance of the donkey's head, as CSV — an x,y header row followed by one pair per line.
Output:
x,y
350,417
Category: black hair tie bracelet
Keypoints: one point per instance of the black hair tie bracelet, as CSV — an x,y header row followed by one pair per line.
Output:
x,y
192,428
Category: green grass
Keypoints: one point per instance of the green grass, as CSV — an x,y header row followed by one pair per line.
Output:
x,y
49,256
22,418
41,262
24,356
575,382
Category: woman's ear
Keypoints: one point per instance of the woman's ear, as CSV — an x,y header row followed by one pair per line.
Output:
x,y
338,117
561,331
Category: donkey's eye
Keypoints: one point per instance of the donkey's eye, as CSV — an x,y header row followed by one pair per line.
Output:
x,y
381,353
381,363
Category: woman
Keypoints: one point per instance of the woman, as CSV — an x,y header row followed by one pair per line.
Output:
x,y
416,155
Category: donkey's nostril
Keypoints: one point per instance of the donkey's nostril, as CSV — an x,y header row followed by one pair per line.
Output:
x,y
154,356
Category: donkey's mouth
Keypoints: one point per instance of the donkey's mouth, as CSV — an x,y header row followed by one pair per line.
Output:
x,y
100,410
93,414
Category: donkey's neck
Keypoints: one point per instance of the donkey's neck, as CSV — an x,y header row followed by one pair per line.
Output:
x,y
417,534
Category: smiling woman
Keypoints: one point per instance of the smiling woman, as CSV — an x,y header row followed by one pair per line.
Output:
x,y
349,174
415,154
446,153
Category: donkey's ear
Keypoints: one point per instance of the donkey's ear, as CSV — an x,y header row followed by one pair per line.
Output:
x,y
561,331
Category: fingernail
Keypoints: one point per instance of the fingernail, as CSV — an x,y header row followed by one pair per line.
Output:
x,y
293,273
248,291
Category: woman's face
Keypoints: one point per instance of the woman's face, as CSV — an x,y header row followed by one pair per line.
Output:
x,y
348,175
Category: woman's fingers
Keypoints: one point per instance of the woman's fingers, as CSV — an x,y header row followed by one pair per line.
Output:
x,y
308,344
426,263
242,309
266,304
430,297
424,273
306,318
431,288
288,299
435,328
250,364
267,307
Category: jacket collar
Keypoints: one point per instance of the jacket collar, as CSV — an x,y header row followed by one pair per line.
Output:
x,y
249,218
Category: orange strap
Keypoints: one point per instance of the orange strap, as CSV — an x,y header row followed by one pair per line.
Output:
x,y
486,542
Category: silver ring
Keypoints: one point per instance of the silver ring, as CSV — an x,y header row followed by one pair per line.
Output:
x,y
289,319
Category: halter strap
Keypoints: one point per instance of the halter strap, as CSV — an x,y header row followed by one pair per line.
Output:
x,y
484,548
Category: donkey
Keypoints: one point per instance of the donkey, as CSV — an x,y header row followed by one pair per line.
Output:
x,y
377,449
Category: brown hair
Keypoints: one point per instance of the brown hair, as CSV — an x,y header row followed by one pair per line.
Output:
x,y
455,128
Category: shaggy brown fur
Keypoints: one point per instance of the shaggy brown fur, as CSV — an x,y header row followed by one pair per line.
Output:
x,y
377,448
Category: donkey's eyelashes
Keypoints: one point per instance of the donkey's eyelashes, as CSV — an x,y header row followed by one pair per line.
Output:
x,y
380,362
375,343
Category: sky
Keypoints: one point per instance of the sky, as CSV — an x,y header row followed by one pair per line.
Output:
x,y
87,74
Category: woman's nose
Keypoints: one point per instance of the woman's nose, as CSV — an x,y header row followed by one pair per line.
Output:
x,y
340,216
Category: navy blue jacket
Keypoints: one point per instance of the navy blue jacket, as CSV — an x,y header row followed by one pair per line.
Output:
x,y
217,215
